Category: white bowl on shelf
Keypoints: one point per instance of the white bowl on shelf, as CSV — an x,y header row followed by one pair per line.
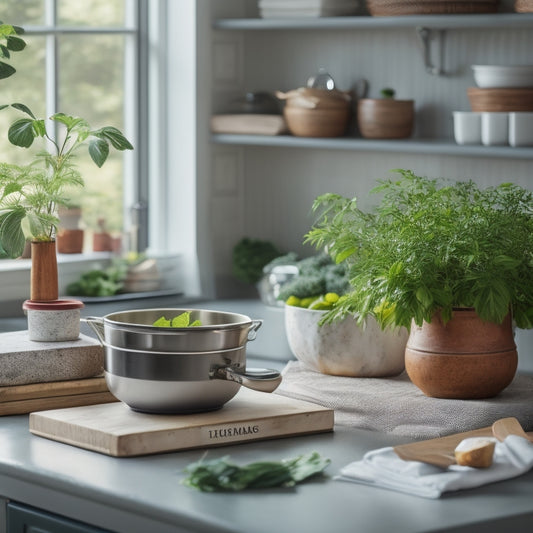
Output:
x,y
503,76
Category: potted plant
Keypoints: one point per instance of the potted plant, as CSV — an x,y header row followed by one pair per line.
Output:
x,y
448,260
31,195
385,117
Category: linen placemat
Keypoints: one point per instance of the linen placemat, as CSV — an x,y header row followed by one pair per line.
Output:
x,y
394,405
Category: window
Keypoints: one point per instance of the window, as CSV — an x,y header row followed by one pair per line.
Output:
x,y
82,58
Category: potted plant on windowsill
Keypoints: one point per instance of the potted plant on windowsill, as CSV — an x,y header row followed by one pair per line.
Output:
x,y
448,260
30,197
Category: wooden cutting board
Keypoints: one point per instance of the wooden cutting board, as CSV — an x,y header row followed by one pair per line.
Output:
x,y
21,399
440,451
114,429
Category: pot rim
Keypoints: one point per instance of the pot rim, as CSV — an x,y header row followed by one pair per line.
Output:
x,y
246,320
153,352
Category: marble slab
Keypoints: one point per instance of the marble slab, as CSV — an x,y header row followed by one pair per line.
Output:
x,y
23,361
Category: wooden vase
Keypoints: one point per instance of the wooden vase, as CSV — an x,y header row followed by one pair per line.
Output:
x,y
465,358
44,284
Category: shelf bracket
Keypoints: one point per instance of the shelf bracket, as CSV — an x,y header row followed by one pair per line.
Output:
x,y
428,36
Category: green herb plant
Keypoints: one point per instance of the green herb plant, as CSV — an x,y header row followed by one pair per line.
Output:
x,y
9,42
30,195
387,92
222,475
431,246
249,258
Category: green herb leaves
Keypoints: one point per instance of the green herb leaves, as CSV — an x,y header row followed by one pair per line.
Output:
x,y
432,245
181,321
12,43
222,475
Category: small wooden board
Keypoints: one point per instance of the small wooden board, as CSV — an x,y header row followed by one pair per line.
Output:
x,y
440,451
115,429
22,399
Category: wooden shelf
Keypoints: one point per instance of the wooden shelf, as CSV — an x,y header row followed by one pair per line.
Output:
x,y
420,146
496,20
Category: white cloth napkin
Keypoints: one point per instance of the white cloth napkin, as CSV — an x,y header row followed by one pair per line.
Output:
x,y
383,468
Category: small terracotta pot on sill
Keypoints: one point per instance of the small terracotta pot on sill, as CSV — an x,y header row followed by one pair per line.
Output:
x,y
465,358
70,241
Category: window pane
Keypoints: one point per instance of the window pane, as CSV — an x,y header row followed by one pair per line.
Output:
x,y
91,85
26,86
91,13
22,12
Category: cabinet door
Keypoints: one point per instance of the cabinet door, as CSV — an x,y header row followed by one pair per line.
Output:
x,y
25,519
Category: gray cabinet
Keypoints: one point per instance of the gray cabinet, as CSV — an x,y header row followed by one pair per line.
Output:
x,y
22,518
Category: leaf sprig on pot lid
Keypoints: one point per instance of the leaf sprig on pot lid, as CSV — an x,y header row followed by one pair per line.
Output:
x,y
432,245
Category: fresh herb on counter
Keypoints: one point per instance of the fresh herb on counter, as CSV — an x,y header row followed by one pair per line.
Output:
x,y
222,475
180,321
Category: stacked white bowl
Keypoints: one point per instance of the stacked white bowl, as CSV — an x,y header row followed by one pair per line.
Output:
x,y
497,128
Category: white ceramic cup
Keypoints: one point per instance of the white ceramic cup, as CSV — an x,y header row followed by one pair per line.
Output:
x,y
467,127
521,129
494,128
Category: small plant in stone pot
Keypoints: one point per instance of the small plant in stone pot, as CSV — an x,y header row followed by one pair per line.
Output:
x,y
31,195
448,260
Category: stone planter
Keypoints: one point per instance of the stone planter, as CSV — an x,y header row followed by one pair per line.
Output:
x,y
344,348
53,321
462,359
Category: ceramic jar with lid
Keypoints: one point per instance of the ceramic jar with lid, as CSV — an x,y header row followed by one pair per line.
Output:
x,y
316,112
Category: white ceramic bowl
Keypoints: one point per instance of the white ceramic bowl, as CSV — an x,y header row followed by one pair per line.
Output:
x,y
499,76
344,348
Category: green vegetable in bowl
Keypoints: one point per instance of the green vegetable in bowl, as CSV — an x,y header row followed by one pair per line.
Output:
x,y
180,321
222,475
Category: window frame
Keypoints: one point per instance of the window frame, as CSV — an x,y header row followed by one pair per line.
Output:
x,y
14,273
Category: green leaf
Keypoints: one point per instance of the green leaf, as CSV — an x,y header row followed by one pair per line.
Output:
x,y
339,258
98,150
162,322
24,108
181,321
11,234
4,51
21,133
69,121
6,70
115,137
15,44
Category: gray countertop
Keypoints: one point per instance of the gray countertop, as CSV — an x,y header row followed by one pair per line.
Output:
x,y
145,494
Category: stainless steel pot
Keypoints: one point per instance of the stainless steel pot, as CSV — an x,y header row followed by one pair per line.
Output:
x,y
187,381
134,330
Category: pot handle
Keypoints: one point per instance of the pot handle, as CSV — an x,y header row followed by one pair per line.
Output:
x,y
259,379
252,332
97,325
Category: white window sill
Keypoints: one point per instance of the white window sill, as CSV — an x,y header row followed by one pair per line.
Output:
x,y
15,275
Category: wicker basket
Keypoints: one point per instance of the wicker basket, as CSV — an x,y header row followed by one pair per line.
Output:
x,y
380,8
523,6
500,100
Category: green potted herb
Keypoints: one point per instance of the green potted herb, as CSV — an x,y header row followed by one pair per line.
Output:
x,y
434,253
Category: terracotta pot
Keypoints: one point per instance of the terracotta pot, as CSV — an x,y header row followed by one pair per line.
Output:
x,y
462,359
385,118
70,241
102,242
44,286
